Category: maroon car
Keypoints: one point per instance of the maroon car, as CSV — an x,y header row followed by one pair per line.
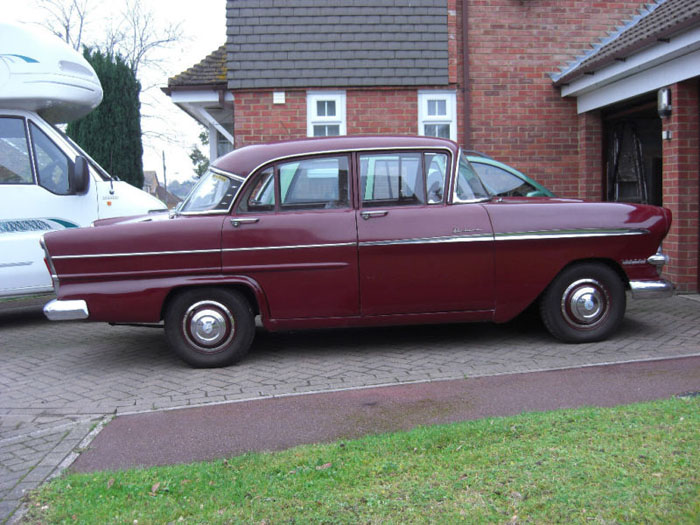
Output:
x,y
354,231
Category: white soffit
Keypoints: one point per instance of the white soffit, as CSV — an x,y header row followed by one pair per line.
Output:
x,y
650,69
197,96
195,104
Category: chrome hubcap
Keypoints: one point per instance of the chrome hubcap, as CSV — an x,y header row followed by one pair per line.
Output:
x,y
585,302
208,326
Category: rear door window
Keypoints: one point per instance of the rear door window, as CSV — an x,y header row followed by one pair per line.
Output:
x,y
402,179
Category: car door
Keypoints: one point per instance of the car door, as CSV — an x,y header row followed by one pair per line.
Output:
x,y
417,253
294,233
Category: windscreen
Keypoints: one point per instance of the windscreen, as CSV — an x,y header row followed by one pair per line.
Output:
x,y
215,191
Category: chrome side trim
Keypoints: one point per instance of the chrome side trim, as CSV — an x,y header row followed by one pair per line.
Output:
x,y
133,254
545,234
570,234
194,252
448,239
58,310
652,289
289,247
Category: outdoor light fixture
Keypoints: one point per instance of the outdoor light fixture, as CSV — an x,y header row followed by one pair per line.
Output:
x,y
663,102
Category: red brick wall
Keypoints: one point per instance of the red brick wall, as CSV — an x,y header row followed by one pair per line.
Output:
x,y
369,112
681,185
257,119
386,111
590,160
517,115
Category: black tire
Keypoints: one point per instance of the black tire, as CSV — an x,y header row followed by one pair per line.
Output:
x,y
209,327
584,303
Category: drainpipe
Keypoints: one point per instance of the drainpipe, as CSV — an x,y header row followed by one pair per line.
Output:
x,y
465,72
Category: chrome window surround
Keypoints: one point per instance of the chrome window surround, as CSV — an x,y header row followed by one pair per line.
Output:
x,y
455,198
449,168
223,173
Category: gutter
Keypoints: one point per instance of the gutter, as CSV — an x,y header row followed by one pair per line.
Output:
x,y
466,115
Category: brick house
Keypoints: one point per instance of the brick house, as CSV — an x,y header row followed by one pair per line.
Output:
x,y
564,90
152,186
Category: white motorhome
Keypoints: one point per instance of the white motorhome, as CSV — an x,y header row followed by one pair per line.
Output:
x,y
48,182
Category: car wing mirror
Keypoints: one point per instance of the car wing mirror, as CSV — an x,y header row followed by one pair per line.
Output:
x,y
79,176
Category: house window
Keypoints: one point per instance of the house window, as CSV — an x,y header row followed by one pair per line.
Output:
x,y
325,113
437,114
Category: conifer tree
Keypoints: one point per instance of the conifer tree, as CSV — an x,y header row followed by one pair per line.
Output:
x,y
111,133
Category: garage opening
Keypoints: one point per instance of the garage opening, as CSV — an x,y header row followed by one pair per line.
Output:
x,y
633,152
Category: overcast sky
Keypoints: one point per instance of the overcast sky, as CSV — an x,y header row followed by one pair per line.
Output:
x,y
204,29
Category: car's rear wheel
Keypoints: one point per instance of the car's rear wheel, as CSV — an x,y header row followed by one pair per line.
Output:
x,y
584,303
209,327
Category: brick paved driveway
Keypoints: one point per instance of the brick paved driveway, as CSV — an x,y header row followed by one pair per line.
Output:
x,y
58,380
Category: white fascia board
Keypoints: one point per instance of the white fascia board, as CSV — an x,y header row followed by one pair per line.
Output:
x,y
199,97
677,70
635,66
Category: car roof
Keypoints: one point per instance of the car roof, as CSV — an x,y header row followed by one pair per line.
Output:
x,y
245,160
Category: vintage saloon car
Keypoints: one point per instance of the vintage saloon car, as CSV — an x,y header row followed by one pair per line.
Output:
x,y
355,231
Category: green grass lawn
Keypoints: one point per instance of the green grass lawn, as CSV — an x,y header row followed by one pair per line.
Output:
x,y
628,464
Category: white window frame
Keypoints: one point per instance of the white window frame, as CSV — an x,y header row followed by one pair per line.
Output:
x,y
313,119
450,98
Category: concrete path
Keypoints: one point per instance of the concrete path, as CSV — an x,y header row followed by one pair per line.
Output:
x,y
59,380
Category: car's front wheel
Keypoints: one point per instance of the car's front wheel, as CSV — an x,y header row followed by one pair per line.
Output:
x,y
209,327
585,303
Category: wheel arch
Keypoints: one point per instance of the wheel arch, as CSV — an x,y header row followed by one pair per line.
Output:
x,y
610,263
508,311
249,289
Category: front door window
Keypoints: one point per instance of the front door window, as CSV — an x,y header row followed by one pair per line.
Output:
x,y
51,163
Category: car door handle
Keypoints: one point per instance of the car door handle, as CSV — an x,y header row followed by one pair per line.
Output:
x,y
243,220
366,215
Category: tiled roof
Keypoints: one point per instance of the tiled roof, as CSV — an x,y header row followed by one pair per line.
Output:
x,y
209,72
657,22
317,43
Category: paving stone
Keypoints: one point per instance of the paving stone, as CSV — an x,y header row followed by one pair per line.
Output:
x,y
57,379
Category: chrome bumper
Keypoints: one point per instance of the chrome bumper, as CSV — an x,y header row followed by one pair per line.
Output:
x,y
58,310
652,289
